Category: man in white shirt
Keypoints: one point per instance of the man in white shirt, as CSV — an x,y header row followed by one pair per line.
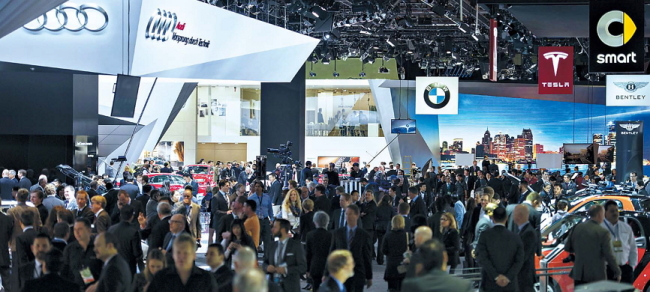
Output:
x,y
623,243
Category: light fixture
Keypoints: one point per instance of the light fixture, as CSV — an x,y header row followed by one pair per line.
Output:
x,y
365,32
311,71
390,43
475,37
464,27
325,61
362,74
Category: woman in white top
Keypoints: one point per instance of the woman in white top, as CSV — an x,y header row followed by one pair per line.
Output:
x,y
291,208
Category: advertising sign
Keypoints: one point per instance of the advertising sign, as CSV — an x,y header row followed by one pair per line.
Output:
x,y
629,149
628,90
616,37
436,95
555,70
494,33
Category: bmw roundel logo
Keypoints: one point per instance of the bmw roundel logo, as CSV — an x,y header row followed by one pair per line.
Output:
x,y
436,95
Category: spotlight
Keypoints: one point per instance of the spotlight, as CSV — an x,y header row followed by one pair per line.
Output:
x,y
464,27
336,74
362,74
475,37
326,61
383,70
386,58
390,43
312,74
365,32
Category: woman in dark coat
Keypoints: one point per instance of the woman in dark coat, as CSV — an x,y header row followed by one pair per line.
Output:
x,y
394,246
384,214
451,239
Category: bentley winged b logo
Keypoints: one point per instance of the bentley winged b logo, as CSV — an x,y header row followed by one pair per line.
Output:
x,y
631,86
555,57
630,127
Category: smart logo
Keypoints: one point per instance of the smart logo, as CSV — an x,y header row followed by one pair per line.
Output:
x,y
615,41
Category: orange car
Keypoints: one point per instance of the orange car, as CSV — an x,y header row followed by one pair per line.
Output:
x,y
624,202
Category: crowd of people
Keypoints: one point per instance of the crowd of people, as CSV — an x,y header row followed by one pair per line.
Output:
x,y
89,239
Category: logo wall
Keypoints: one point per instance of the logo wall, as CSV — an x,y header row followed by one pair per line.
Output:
x,y
628,90
163,24
436,95
71,17
555,70
616,36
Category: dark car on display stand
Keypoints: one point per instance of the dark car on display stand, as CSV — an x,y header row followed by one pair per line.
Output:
x,y
553,254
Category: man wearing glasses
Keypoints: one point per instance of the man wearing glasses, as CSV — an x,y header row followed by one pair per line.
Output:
x,y
191,211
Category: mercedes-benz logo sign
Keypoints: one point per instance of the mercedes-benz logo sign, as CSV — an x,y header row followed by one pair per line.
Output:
x,y
62,14
161,25
436,95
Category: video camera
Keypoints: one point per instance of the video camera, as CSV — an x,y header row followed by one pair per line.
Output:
x,y
284,152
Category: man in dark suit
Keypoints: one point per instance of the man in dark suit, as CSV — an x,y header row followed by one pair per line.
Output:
x,y
523,191
222,272
37,197
130,188
6,185
219,206
144,197
115,276
83,210
23,182
286,258
6,229
340,266
177,225
322,203
102,220
61,235
275,192
417,204
33,269
24,241
154,231
317,248
501,254
124,199
306,174
189,181
51,281
357,241
532,202
434,278
332,175
528,236
337,220
129,246
448,188
590,243
111,198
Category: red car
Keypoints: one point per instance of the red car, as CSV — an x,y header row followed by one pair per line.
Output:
x,y
202,174
176,181
553,252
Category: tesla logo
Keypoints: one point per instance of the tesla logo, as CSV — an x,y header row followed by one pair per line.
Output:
x,y
555,57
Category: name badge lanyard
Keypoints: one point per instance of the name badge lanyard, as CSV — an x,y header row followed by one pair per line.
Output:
x,y
616,235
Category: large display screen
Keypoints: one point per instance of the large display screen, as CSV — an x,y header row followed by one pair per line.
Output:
x,y
517,129
402,126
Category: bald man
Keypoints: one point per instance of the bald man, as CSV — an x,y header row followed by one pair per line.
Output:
x,y
528,235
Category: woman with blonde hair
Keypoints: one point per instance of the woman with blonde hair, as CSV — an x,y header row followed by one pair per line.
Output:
x,y
292,208
394,246
156,261
451,239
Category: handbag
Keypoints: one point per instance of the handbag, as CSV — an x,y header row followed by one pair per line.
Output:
x,y
403,268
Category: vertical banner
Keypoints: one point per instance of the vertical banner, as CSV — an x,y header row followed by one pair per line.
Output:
x,y
616,36
436,95
629,149
493,50
555,70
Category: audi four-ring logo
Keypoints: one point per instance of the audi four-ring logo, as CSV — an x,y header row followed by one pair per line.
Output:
x,y
63,13
161,25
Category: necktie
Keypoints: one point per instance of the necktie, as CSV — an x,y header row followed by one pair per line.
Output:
x,y
171,242
350,237
278,253
342,219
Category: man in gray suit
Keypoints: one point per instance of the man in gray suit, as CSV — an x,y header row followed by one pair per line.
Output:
x,y
285,260
501,254
434,260
590,243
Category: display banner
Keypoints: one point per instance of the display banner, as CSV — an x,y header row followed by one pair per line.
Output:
x,y
555,70
629,149
616,36
628,90
436,95
494,60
